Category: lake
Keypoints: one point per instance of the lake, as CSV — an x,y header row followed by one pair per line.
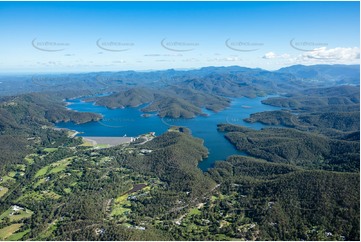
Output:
x,y
130,122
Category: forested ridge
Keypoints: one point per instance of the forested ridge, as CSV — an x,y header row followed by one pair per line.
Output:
x,y
27,119
296,147
299,180
288,203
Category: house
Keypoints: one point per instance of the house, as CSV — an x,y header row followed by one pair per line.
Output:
x,y
328,234
139,227
16,208
99,231
270,204
145,151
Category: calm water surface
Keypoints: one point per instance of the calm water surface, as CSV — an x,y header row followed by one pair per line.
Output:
x,y
129,122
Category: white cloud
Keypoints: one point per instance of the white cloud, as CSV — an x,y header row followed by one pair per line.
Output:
x,y
190,60
165,55
231,58
272,55
119,61
152,55
285,56
335,54
322,55
269,55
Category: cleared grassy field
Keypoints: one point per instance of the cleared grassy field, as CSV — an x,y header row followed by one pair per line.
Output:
x,y
50,149
15,216
213,198
119,210
18,236
21,167
41,172
51,195
46,233
12,173
30,158
22,214
54,167
9,230
58,168
67,190
7,179
36,196
194,211
3,190
5,214
121,199
120,204
39,182
30,196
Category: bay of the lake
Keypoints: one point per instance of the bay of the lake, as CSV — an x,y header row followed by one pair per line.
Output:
x,y
130,122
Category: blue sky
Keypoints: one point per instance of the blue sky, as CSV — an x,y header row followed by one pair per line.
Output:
x,y
110,36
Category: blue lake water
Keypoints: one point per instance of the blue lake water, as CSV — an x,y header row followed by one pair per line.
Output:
x,y
129,122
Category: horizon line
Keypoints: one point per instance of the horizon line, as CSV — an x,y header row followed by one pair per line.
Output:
x,y
167,69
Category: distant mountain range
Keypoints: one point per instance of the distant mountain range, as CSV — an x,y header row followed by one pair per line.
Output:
x,y
339,74
294,76
183,93
299,181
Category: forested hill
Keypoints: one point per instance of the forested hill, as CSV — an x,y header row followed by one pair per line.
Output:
x,y
37,109
288,203
183,94
335,74
284,145
66,189
332,111
299,181
287,189
28,118
338,98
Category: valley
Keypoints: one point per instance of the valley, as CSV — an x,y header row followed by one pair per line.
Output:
x,y
131,122
180,121
211,154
